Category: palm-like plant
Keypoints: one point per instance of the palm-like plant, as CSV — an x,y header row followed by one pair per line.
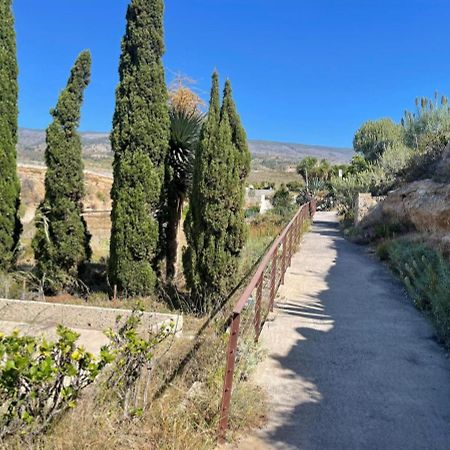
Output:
x,y
185,127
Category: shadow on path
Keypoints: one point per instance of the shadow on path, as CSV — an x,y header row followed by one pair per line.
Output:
x,y
363,370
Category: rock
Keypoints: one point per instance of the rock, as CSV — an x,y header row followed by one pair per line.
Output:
x,y
423,205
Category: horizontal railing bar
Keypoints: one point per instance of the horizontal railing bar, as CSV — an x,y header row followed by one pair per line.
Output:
x,y
240,304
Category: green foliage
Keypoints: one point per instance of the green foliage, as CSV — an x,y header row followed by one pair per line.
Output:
x,y
346,189
61,243
10,226
344,168
41,379
282,202
185,127
432,118
358,164
426,276
215,227
140,140
377,178
320,190
239,166
264,185
374,137
295,186
395,159
426,163
312,168
131,352
238,136
252,211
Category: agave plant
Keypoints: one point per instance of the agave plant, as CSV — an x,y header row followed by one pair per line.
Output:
x,y
184,137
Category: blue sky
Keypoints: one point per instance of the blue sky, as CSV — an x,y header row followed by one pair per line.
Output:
x,y
306,71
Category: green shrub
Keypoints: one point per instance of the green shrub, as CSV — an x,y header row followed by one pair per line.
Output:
x,y
395,158
345,190
425,162
282,202
426,276
252,211
41,379
374,137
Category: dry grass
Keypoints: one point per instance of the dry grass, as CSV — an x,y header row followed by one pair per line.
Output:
x,y
278,177
186,388
183,413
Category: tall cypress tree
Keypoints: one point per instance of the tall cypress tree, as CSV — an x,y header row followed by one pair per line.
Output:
x,y
238,134
210,267
237,230
61,243
140,140
10,226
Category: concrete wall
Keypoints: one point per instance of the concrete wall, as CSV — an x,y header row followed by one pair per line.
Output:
x,y
80,317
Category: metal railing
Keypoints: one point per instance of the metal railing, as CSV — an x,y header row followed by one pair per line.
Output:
x,y
255,303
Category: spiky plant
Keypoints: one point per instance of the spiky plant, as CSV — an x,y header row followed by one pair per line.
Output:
x,y
185,127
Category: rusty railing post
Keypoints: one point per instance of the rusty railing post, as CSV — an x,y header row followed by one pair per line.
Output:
x,y
273,279
258,307
229,372
290,247
283,259
297,231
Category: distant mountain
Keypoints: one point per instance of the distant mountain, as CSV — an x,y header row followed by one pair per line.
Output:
x,y
97,150
31,145
295,152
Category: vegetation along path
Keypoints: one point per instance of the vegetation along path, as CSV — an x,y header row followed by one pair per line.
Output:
x,y
352,364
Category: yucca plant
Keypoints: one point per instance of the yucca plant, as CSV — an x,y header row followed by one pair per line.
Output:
x,y
185,127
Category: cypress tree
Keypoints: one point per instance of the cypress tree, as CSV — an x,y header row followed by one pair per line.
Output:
x,y
61,243
237,230
238,135
10,226
210,266
140,140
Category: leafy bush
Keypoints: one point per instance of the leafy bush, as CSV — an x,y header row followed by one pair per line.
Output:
x,y
282,202
425,163
426,276
132,354
295,186
374,137
394,160
40,379
345,190
252,211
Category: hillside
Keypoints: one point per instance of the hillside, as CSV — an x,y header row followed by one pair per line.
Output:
x,y
97,151
97,205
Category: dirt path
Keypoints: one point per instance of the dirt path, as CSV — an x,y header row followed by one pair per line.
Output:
x,y
352,364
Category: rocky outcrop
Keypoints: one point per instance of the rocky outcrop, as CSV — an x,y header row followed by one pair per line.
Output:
x,y
422,205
